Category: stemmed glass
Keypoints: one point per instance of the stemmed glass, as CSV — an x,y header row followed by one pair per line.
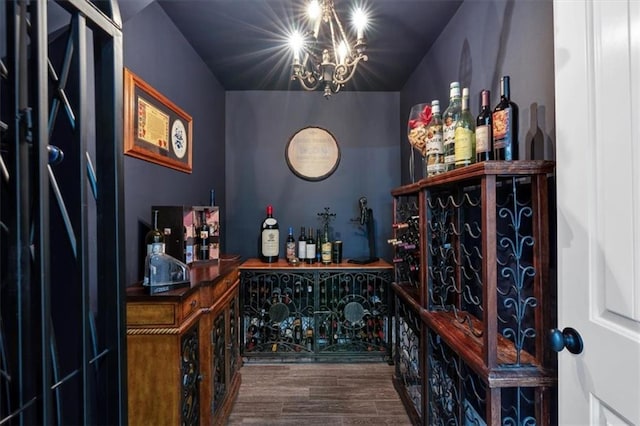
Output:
x,y
419,118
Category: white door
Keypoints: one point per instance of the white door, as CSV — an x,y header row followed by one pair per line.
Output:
x,y
597,67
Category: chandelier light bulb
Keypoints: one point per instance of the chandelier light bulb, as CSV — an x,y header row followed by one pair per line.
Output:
x,y
314,10
360,20
296,42
343,51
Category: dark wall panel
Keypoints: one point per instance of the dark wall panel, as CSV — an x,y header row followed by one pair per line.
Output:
x,y
484,41
259,125
157,52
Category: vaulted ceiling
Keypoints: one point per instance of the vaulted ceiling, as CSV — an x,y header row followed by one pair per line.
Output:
x,y
243,42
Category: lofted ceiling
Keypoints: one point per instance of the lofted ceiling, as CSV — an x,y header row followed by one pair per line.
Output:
x,y
243,41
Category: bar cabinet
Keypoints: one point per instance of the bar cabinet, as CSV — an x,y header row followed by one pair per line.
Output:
x,y
183,356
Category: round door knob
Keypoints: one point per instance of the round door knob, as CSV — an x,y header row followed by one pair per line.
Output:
x,y
568,338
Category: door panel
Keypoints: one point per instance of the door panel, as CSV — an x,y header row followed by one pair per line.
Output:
x,y
598,174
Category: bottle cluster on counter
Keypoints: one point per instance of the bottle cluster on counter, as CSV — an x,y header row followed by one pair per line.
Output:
x,y
312,246
456,138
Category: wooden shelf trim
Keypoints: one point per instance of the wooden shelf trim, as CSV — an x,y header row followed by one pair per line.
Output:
x,y
478,170
470,349
282,264
233,287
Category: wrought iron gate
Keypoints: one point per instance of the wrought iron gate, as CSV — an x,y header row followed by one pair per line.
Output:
x,y
62,342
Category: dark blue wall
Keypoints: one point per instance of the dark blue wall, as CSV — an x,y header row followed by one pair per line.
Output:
x,y
157,52
240,137
259,125
484,41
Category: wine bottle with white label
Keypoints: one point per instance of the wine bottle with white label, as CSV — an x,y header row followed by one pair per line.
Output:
x,y
269,238
450,117
311,248
465,134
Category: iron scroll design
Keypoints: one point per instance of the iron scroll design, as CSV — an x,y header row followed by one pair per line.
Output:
x,y
219,373
407,357
455,260
314,313
190,367
455,256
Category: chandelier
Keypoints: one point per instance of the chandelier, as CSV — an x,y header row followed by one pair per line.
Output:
x,y
323,57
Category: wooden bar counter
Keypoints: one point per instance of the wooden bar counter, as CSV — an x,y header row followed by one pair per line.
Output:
x,y
183,349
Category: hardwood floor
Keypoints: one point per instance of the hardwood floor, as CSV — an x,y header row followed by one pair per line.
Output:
x,y
318,394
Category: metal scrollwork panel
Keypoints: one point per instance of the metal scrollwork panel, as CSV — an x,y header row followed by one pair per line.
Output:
x,y
457,395
190,366
515,243
219,361
455,253
233,333
352,311
407,355
278,312
518,407
219,375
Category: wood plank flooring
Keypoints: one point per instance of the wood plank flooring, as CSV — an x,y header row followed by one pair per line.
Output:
x,y
318,394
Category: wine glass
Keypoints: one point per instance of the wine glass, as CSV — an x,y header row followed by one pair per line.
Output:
x,y
419,118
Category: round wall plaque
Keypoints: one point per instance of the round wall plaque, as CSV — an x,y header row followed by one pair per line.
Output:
x,y
312,153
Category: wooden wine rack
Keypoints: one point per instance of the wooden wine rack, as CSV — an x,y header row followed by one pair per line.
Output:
x,y
471,326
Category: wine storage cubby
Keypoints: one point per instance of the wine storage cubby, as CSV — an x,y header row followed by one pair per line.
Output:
x,y
485,298
407,253
316,311
179,225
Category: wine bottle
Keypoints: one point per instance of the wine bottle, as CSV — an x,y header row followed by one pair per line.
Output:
x,y
449,119
435,150
505,125
189,243
302,245
318,246
326,246
269,238
484,131
290,245
154,240
309,338
297,331
465,134
311,248
203,237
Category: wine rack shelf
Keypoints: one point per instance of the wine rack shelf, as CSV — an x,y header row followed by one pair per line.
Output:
x,y
471,333
339,312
